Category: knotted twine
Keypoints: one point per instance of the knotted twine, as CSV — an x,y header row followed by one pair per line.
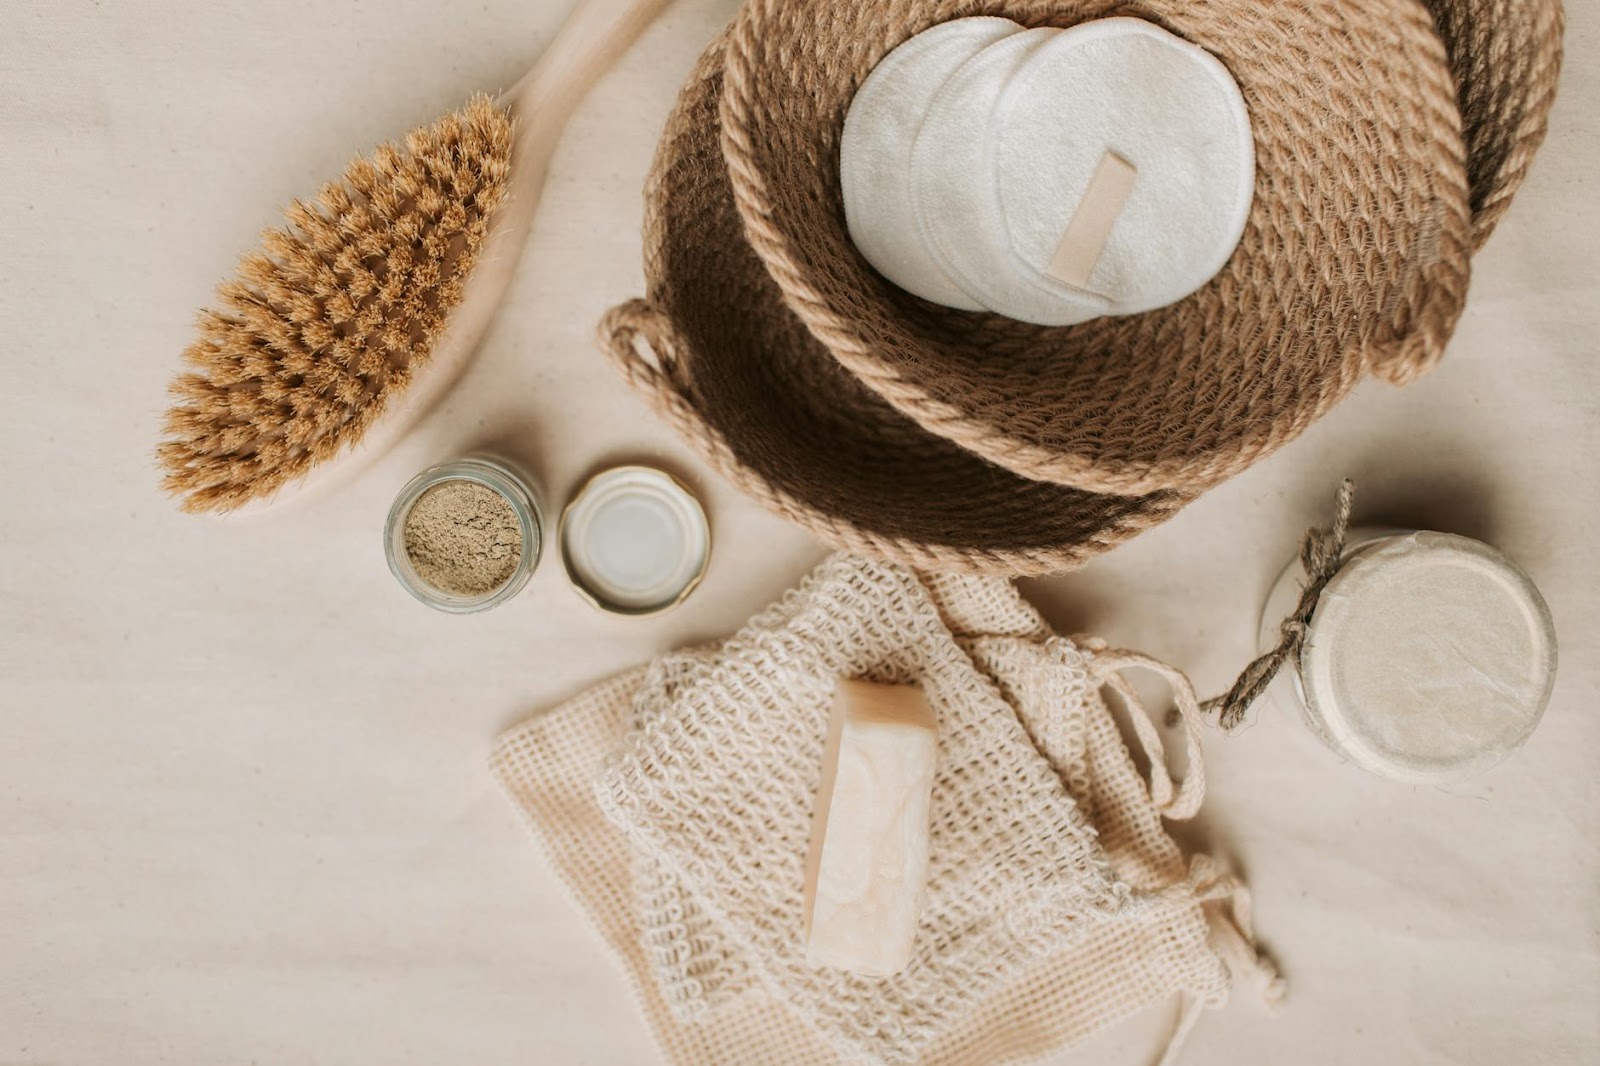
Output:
x,y
1320,555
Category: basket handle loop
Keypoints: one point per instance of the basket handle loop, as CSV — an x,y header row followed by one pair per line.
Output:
x,y
1426,316
1403,359
638,338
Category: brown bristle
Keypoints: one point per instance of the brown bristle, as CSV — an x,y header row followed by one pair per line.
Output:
x,y
333,316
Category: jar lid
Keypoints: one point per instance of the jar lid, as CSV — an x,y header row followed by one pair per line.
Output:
x,y
1430,657
635,540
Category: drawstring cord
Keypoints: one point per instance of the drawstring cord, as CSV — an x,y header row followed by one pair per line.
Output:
x,y
1225,899
1177,801
1188,1017
1227,904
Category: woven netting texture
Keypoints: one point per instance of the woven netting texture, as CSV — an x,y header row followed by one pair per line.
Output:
x,y
720,780
710,760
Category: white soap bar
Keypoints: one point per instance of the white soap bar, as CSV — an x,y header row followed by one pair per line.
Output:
x,y
868,868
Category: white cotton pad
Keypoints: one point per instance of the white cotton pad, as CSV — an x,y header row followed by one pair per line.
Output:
x,y
957,201
875,152
1128,87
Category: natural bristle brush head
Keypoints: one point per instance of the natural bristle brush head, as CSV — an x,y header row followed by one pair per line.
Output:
x,y
336,314
351,322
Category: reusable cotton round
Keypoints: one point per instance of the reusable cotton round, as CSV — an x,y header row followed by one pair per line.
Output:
x,y
1172,110
969,150
956,200
875,150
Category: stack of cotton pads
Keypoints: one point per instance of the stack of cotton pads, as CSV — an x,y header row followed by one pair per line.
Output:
x,y
1052,176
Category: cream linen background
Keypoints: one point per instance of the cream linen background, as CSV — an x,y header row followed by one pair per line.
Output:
x,y
244,814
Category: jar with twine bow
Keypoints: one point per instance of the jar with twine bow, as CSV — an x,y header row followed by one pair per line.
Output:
x,y
1419,656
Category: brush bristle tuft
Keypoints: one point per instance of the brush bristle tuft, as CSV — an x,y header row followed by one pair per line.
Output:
x,y
331,318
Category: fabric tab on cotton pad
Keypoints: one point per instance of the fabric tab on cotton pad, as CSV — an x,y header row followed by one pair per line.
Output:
x,y
957,202
1128,87
875,153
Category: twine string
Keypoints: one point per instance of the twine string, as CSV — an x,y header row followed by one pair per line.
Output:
x,y
1320,553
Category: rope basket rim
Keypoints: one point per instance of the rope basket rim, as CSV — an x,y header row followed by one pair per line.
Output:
x,y
1010,438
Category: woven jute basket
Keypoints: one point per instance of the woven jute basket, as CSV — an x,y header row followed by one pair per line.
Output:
x,y
1355,258
739,346
724,361
1506,59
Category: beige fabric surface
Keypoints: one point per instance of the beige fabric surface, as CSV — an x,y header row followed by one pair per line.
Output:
x,y
244,815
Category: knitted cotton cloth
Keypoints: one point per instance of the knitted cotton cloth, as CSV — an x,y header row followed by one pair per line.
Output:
x,y
1050,686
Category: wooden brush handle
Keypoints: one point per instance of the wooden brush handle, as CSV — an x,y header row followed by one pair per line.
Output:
x,y
594,36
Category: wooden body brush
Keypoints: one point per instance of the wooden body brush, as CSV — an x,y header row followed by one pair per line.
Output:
x,y
349,323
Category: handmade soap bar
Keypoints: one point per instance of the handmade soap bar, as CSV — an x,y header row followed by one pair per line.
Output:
x,y
868,866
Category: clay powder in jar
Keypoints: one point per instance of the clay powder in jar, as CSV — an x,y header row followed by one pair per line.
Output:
x,y
463,538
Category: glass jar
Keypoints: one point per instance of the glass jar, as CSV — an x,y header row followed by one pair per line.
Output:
x,y
494,474
1429,657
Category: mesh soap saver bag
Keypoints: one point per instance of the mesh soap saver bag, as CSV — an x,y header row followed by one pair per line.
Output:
x,y
718,785
698,984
